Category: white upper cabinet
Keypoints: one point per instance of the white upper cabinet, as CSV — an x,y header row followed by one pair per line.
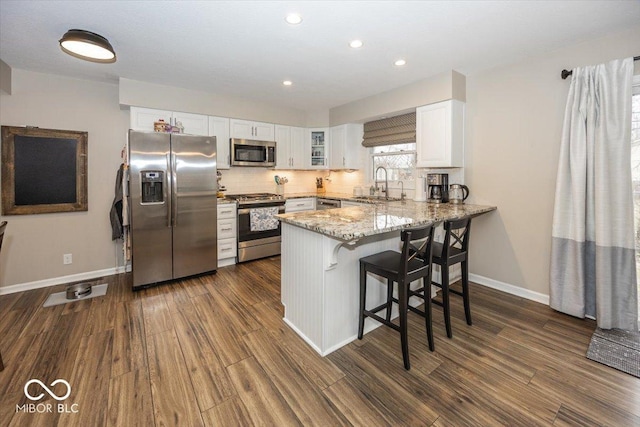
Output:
x,y
283,147
346,146
440,135
143,119
296,149
318,142
219,127
244,129
290,147
194,124
338,141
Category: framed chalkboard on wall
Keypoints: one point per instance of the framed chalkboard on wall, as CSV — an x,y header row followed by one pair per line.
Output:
x,y
43,170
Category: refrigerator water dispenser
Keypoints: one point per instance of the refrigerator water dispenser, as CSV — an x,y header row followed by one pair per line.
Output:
x,y
152,182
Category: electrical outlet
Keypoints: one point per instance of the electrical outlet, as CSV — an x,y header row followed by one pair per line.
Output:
x,y
67,259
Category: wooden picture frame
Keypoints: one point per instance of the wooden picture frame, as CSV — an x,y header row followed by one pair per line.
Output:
x,y
43,170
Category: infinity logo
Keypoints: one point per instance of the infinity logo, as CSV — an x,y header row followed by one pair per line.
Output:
x,y
47,389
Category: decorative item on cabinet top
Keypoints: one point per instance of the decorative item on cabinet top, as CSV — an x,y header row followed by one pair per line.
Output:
x,y
162,126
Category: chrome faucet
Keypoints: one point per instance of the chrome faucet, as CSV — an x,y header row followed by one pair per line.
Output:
x,y
402,193
386,182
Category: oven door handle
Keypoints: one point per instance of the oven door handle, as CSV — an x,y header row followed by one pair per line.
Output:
x,y
246,211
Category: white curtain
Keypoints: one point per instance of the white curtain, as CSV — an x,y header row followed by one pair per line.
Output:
x,y
593,250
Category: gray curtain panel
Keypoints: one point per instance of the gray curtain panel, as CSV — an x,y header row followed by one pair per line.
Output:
x,y
593,269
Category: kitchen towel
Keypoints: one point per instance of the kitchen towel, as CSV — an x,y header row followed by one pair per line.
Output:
x,y
263,219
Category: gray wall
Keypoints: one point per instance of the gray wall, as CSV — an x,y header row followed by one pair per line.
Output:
x,y
151,95
34,244
5,78
440,87
513,125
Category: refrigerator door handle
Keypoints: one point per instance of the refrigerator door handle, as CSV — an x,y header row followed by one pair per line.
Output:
x,y
174,190
166,192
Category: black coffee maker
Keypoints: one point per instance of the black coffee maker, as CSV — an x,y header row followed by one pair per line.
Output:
x,y
437,187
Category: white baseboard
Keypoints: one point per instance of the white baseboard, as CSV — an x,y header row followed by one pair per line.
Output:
x,y
510,289
481,280
21,287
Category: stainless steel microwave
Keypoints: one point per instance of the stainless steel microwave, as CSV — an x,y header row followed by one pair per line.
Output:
x,y
248,152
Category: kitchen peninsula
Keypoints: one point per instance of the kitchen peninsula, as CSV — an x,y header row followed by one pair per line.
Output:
x,y
320,263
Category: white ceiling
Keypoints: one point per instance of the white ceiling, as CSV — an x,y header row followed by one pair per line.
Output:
x,y
245,48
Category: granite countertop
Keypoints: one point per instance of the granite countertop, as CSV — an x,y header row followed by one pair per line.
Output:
x,y
225,201
353,223
336,196
339,196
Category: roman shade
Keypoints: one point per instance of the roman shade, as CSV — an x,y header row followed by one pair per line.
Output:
x,y
390,131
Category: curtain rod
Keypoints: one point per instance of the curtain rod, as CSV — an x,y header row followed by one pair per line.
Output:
x,y
566,73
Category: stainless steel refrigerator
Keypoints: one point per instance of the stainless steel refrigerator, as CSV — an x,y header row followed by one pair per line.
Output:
x,y
173,206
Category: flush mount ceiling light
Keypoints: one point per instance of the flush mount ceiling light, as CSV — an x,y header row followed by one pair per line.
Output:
x,y
400,62
356,44
287,82
293,19
88,46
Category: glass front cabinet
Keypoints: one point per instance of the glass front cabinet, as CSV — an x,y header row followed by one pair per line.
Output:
x,y
318,140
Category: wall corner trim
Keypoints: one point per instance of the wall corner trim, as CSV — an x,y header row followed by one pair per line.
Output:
x,y
28,286
510,289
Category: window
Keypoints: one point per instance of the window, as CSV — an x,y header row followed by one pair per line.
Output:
x,y
399,160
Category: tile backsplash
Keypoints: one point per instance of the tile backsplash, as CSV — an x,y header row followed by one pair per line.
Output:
x,y
261,180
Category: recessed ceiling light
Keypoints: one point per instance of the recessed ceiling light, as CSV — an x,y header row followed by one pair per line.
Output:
x,y
356,44
287,82
293,19
88,46
400,62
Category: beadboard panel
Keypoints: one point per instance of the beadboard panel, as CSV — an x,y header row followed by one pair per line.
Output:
x,y
320,285
302,286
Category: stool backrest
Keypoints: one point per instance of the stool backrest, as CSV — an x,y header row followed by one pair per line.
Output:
x,y
422,251
456,236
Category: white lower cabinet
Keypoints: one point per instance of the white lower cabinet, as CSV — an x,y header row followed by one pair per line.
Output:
x,y
299,205
227,234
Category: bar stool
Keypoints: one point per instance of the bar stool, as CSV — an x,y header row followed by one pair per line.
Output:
x,y
413,263
453,250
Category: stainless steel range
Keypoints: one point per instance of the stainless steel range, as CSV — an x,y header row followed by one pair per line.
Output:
x,y
258,229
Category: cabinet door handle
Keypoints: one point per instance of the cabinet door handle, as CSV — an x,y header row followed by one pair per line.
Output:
x,y
342,160
225,249
226,229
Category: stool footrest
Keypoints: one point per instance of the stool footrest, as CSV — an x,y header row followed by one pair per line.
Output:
x,y
381,320
411,308
381,307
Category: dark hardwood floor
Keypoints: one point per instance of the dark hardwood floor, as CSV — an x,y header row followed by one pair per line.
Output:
x,y
214,350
